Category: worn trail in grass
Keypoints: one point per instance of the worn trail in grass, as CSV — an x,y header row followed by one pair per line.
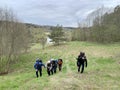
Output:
x,y
102,72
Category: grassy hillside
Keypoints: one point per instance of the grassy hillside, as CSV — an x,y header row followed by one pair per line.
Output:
x,y
102,73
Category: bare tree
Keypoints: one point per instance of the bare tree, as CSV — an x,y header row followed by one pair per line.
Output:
x,y
43,39
13,38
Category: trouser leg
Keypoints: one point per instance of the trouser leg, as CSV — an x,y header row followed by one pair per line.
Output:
x,y
55,70
60,66
48,71
79,68
51,71
40,72
37,73
82,68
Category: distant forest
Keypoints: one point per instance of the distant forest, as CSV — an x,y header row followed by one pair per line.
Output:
x,y
105,27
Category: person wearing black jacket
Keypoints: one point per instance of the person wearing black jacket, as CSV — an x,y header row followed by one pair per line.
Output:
x,y
54,65
81,61
49,68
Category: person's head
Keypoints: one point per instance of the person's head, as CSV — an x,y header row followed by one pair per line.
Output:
x,y
51,59
60,59
81,53
48,61
37,59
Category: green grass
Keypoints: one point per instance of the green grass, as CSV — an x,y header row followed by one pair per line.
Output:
x,y
102,73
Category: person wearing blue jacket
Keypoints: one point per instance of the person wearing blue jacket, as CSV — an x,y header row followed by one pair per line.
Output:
x,y
38,66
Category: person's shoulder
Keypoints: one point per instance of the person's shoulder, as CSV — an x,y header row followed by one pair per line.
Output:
x,y
79,56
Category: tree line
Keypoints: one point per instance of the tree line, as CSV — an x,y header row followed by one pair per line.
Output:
x,y
105,27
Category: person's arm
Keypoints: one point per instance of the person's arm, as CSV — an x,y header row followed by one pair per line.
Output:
x,y
35,65
86,61
77,63
43,65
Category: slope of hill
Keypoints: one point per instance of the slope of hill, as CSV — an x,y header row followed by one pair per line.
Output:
x,y
102,72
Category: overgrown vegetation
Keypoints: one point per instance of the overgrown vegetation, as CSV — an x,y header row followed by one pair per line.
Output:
x,y
14,39
105,27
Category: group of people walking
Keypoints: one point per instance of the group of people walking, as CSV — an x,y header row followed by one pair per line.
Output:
x,y
53,64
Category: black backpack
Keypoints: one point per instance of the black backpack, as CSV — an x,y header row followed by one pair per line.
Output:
x,y
80,59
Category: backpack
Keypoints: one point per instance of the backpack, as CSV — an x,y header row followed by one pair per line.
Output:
x,y
38,65
81,59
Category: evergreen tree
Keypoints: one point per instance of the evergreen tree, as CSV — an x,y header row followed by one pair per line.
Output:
x,y
57,35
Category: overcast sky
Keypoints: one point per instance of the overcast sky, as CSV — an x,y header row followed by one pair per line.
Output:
x,y
53,12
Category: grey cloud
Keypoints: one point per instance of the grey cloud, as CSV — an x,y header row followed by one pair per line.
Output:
x,y
52,12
